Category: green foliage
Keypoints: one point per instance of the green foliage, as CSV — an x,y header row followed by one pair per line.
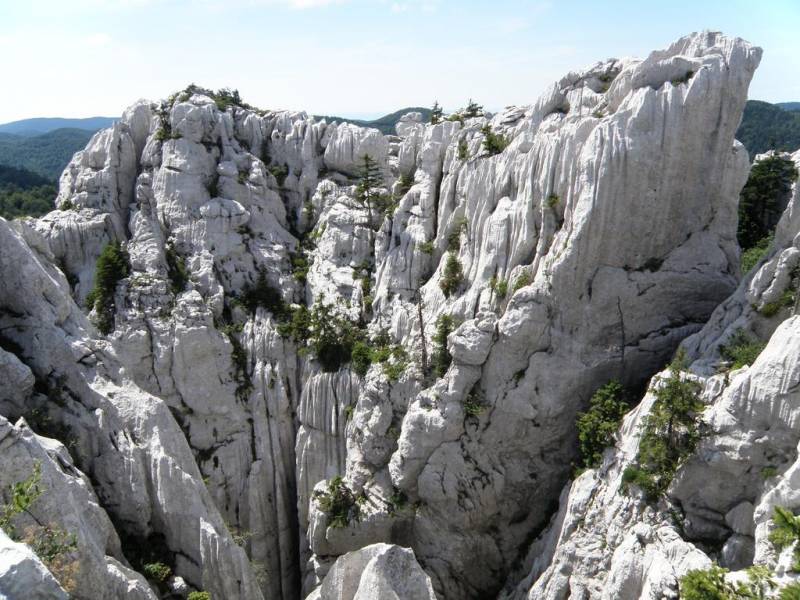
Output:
x,y
766,126
440,357
768,472
671,433
473,405
499,286
23,494
760,202
786,528
176,270
300,266
406,180
463,149
453,274
493,143
368,193
705,585
598,425
112,266
24,193
752,256
329,337
379,350
473,109
522,280
553,200
279,172
436,113
224,98
790,591
198,596
45,155
51,543
157,572
263,294
454,238
426,247
338,503
741,350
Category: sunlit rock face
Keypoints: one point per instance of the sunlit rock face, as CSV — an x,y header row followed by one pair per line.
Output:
x,y
606,544
593,231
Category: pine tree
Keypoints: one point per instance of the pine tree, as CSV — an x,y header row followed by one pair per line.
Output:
x,y
370,179
473,110
436,113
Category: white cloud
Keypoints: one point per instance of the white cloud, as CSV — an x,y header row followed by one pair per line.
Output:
x,y
97,39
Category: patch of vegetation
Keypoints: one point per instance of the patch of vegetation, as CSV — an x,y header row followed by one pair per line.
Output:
x,y
338,503
379,350
279,172
198,596
552,201
790,591
300,265
45,155
25,194
760,202
454,238
440,357
54,546
224,98
472,110
741,350
710,584
752,256
522,280
766,127
406,180
263,294
426,247
453,275
436,113
786,533
368,191
176,270
493,143
463,149
157,572
499,287
600,423
473,404
671,432
111,268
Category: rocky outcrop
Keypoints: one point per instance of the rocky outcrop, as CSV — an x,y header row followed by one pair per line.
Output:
x,y
606,544
498,272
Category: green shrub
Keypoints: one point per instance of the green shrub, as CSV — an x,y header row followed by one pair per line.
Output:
x,y
453,274
709,584
473,109
790,591
741,350
262,294
406,181
493,143
553,200
473,405
463,149
768,472
671,433
112,266
23,494
300,266
752,256
379,350
500,287
198,596
176,270
280,173
598,425
522,280
157,572
440,357
338,503
426,247
454,238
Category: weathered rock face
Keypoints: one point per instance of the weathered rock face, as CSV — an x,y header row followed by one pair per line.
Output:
x,y
605,544
588,247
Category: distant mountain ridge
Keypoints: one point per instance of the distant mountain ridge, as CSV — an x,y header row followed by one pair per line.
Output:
x,y
788,105
41,125
384,124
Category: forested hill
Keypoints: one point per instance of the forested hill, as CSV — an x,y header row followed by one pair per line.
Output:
x,y
768,126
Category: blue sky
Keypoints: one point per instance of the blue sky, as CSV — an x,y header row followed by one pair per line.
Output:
x,y
77,58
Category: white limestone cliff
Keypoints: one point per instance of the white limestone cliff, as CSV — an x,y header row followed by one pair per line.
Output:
x,y
609,221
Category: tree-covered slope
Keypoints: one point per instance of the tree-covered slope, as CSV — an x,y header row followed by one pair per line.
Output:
x,y
46,154
24,193
767,126
386,123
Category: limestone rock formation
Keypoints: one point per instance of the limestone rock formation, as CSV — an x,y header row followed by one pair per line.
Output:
x,y
292,377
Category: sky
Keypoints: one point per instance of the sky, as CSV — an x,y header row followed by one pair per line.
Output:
x,y
354,58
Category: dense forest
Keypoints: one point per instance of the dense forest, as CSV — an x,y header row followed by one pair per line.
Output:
x,y
769,127
46,154
24,193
